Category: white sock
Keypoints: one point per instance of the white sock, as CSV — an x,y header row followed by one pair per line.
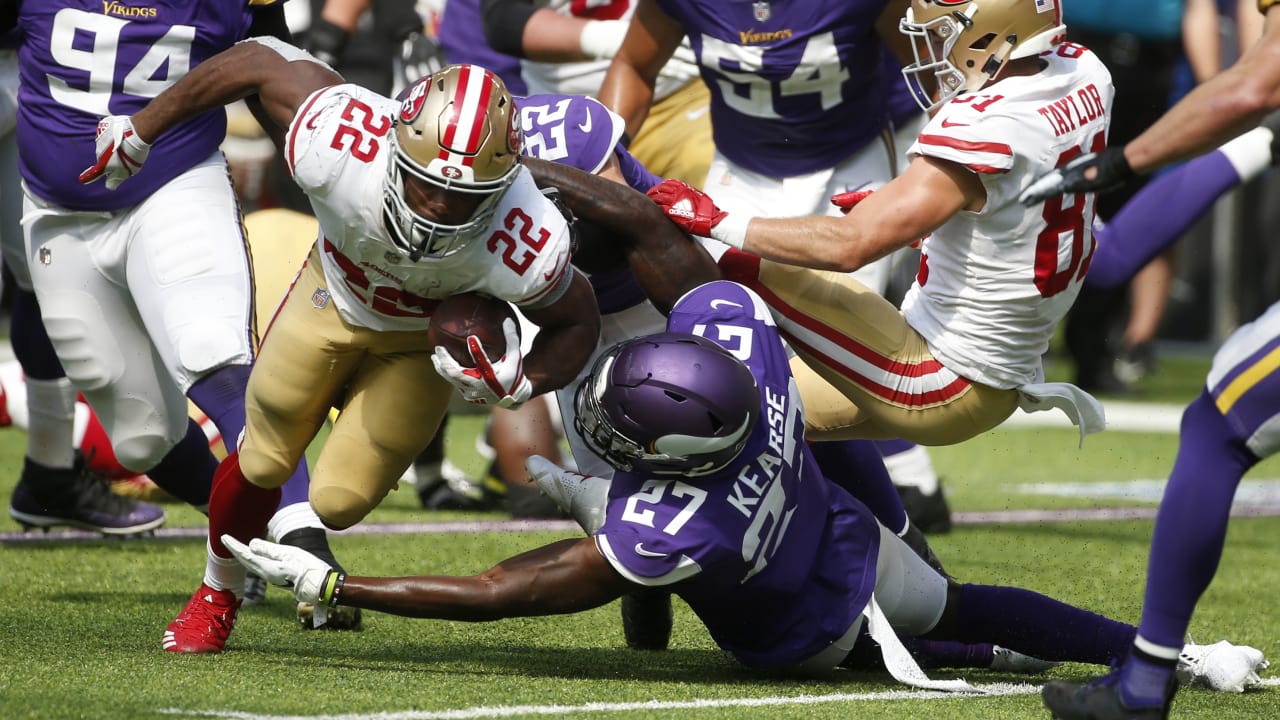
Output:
x,y
292,517
223,573
912,468
51,408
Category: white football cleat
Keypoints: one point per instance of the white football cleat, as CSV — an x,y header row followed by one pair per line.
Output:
x,y
582,496
1221,666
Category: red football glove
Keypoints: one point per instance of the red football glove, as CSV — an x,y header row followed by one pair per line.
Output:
x,y
688,207
846,200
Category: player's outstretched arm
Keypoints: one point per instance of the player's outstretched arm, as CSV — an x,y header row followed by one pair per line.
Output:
x,y
563,577
280,74
666,263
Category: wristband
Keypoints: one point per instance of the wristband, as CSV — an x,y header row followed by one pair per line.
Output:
x,y
600,39
732,230
331,590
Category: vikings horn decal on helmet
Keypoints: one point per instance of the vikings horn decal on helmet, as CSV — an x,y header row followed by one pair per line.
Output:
x,y
457,129
961,45
667,404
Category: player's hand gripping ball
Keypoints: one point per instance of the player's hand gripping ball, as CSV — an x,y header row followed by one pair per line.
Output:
x,y
477,341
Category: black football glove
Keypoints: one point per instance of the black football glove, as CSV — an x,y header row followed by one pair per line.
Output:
x,y
1110,171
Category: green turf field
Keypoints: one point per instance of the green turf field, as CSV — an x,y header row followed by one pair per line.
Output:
x,y
80,622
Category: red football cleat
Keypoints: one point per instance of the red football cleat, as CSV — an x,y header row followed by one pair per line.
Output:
x,y
204,624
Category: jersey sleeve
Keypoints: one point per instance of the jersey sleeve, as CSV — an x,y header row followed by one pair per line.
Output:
x,y
321,143
533,243
571,129
643,556
980,143
999,148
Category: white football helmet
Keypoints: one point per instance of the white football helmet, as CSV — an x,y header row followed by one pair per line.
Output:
x,y
964,44
457,129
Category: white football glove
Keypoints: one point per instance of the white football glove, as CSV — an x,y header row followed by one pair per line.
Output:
x,y
286,566
120,152
499,382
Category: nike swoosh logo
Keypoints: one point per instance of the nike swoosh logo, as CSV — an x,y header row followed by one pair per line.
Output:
x,y
586,126
311,121
550,274
946,123
719,303
646,553
695,114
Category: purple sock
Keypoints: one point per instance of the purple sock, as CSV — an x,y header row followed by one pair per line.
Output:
x,y
31,344
186,472
1157,216
857,466
1039,626
1144,680
1191,525
948,654
220,394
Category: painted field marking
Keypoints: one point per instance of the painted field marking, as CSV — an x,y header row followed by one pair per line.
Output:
x,y
504,711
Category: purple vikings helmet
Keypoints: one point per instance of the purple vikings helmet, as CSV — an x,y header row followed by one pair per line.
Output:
x,y
667,404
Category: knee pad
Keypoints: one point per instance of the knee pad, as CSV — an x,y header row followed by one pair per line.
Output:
x,y
142,435
262,469
339,507
214,346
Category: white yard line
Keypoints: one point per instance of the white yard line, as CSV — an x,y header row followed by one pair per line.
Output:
x,y
505,711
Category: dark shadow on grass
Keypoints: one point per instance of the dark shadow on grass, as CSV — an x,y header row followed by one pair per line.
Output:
x,y
683,666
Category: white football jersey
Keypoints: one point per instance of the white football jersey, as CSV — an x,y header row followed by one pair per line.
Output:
x,y
338,152
993,284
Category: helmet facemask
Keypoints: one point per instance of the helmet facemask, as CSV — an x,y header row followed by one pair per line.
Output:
x,y
961,45
455,131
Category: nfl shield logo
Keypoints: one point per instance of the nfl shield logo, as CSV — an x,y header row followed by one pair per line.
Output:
x,y
391,257
320,298
761,10
46,256
1044,6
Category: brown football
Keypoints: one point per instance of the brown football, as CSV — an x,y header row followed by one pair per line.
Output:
x,y
459,316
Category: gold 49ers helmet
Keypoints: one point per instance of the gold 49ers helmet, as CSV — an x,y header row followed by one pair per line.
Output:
x,y
457,129
962,45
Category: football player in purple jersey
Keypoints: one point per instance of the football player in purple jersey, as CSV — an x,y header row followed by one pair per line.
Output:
x,y
146,292
1225,431
717,497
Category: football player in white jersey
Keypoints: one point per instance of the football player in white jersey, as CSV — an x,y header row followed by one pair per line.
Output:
x,y
994,278
417,201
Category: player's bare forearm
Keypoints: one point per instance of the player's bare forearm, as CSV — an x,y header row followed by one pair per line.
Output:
x,y
564,577
1216,111
245,69
568,332
628,85
665,261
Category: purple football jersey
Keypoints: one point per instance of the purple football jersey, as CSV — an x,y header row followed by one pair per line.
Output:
x,y
776,561
795,84
579,131
462,38
83,59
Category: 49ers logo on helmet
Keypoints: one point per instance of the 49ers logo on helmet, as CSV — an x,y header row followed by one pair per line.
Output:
x,y
451,172
414,100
